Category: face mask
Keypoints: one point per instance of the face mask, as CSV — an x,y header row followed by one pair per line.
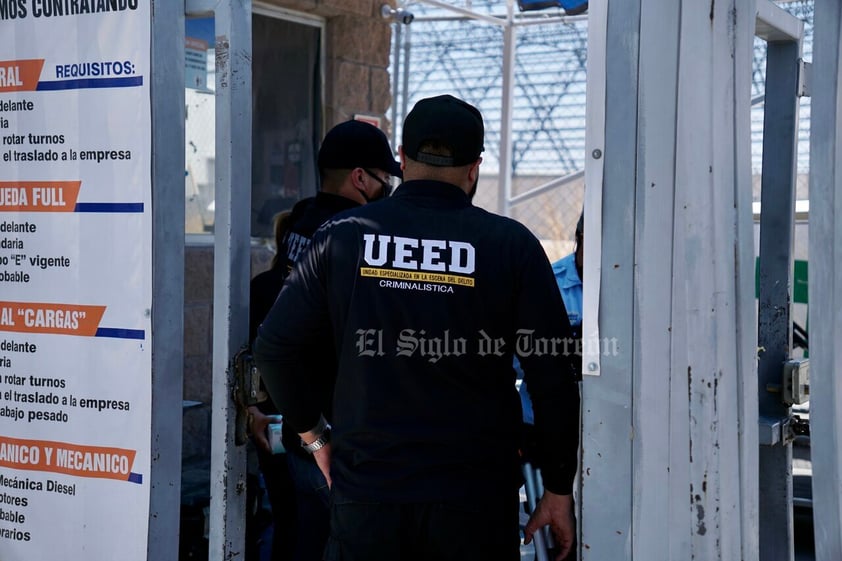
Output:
x,y
376,197
473,190
386,188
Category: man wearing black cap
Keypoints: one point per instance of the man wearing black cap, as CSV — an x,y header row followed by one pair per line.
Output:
x,y
428,298
355,166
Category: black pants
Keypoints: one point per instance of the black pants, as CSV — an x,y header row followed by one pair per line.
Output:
x,y
281,491
424,531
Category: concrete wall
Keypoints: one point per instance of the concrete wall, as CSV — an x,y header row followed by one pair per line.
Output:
x,y
356,75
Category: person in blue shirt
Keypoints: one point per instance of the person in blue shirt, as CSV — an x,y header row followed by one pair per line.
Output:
x,y
568,276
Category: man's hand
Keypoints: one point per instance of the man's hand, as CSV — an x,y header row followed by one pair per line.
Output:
x,y
257,427
557,511
322,457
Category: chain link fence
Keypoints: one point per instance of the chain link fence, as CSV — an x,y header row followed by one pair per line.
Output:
x,y
441,54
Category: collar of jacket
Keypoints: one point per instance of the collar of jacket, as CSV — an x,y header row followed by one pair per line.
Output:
x,y
336,202
565,271
432,193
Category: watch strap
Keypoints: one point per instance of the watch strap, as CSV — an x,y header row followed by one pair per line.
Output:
x,y
319,443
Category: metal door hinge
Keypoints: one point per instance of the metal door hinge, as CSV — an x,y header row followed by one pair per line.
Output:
x,y
245,391
796,381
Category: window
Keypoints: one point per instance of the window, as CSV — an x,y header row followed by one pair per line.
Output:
x,y
287,115
199,126
286,127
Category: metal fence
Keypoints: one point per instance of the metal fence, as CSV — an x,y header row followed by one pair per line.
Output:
x,y
444,52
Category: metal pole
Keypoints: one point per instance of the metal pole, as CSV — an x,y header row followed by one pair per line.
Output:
x,y
396,68
745,306
563,20
407,51
232,265
660,454
826,280
167,279
471,14
546,187
520,20
606,470
777,222
505,162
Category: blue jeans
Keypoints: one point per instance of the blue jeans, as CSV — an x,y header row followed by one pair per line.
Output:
x,y
312,497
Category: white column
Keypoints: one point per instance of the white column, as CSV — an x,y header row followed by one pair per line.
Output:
x,y
508,87
826,281
232,268
670,425
167,279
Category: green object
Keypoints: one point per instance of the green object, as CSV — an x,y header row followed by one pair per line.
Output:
x,y
799,282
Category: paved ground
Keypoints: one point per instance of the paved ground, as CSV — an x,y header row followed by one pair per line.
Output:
x,y
804,548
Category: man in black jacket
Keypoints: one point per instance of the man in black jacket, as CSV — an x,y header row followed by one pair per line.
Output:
x,y
427,299
355,166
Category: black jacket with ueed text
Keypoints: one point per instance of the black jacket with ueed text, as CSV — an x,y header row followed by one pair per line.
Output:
x,y
428,298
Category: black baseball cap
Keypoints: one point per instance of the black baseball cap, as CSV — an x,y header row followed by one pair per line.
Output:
x,y
355,144
448,121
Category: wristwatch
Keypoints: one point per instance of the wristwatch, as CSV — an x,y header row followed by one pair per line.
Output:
x,y
319,443
322,429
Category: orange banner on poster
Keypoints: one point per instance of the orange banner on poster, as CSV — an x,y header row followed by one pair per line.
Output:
x,y
196,44
103,462
62,319
20,75
39,196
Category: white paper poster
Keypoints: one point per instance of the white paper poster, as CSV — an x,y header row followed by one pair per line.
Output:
x,y
75,279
